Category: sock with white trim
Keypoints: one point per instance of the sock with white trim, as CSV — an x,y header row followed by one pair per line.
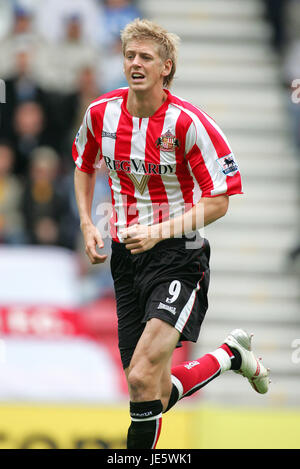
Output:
x,y
235,356
189,377
145,427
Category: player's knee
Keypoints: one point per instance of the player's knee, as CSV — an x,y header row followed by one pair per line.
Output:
x,y
138,381
142,377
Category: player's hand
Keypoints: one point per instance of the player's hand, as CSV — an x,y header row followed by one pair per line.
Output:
x,y
92,240
140,238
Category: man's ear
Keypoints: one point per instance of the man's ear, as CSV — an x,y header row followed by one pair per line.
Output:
x,y
167,67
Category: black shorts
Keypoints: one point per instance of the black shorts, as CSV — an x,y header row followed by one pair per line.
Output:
x,y
169,282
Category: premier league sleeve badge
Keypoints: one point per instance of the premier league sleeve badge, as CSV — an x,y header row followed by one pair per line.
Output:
x,y
228,165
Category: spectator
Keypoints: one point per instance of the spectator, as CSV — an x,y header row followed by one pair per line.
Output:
x,y
275,13
51,16
58,67
21,35
87,91
11,226
45,207
117,13
74,106
292,20
21,86
291,77
291,67
29,132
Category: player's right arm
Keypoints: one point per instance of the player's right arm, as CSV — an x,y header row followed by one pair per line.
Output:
x,y
86,153
84,184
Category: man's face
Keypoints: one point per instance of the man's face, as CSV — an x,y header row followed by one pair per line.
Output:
x,y
143,66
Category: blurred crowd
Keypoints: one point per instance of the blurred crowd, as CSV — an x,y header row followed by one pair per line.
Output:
x,y
52,57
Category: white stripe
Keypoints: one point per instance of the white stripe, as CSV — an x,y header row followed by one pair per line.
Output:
x,y
98,162
81,140
222,358
178,386
197,192
89,122
156,432
186,311
104,100
147,419
110,124
202,383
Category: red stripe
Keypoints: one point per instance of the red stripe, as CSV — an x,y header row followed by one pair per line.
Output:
x,y
157,191
234,184
182,172
227,350
89,153
122,153
158,433
200,171
97,115
257,369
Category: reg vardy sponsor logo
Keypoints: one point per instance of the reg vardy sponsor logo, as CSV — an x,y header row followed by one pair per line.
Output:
x,y
138,166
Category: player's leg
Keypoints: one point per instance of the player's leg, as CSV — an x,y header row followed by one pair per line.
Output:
x,y
234,354
151,387
151,357
190,376
165,383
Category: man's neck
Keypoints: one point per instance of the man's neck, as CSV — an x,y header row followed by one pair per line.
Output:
x,y
145,104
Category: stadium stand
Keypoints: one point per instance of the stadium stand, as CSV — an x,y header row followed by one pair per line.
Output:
x,y
229,69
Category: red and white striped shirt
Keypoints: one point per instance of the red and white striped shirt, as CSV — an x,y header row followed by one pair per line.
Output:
x,y
156,164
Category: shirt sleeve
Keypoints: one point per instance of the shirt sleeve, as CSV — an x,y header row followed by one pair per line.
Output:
x,y
211,160
86,151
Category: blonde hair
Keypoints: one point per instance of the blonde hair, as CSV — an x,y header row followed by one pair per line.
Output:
x,y
147,30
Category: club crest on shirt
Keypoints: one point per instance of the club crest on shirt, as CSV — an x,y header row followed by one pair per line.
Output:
x,y
167,142
228,165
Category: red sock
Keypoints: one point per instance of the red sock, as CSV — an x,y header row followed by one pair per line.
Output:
x,y
195,374
227,349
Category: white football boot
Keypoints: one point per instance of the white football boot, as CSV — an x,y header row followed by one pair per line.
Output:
x,y
251,367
